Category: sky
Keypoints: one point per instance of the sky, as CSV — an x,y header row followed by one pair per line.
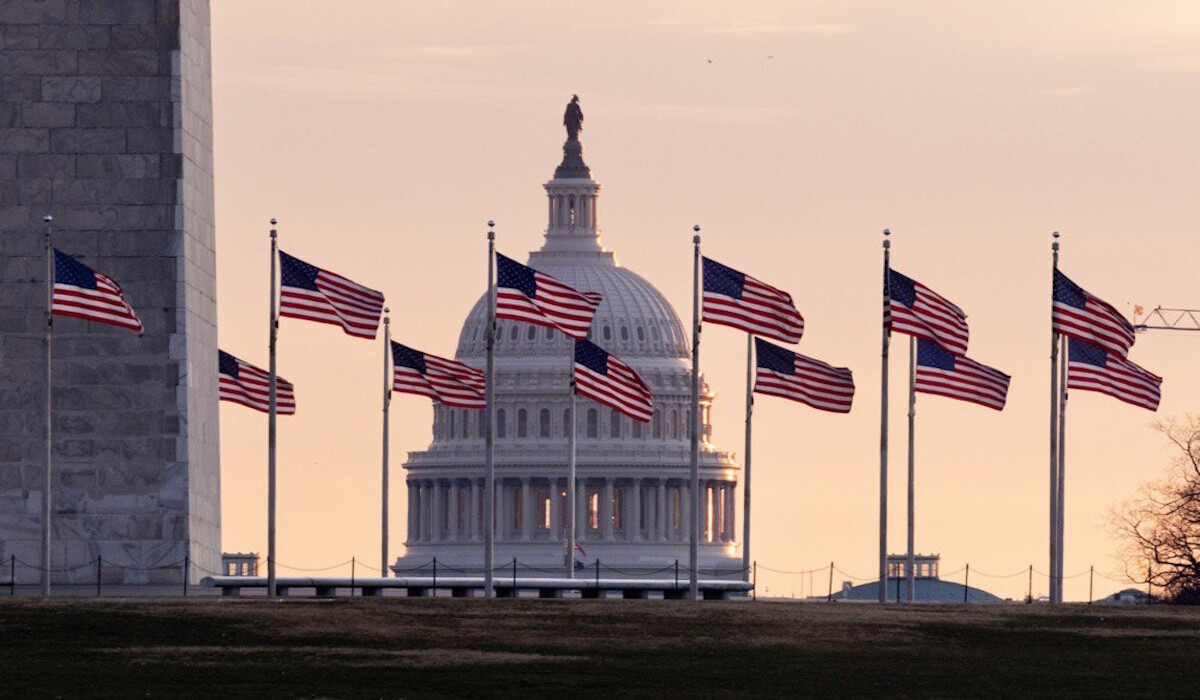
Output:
x,y
384,135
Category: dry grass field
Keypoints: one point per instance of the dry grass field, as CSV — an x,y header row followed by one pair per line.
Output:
x,y
393,648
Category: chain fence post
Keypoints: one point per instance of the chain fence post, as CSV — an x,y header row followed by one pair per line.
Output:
x,y
966,583
676,573
829,598
187,569
12,575
1091,579
435,575
353,571
99,572
1029,595
754,590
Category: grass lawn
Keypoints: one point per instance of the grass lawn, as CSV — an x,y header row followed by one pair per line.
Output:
x,y
395,647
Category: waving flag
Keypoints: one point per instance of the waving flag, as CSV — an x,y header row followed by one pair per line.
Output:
x,y
957,377
733,298
1093,368
81,292
524,294
1080,315
445,381
917,310
609,381
313,294
781,372
242,382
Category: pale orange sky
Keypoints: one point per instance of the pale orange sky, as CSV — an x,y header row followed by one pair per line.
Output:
x,y
384,135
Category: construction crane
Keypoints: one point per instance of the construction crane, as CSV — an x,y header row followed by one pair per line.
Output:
x,y
1160,319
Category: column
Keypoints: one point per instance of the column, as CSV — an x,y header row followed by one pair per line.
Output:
x,y
663,516
528,514
453,514
685,510
410,534
633,529
473,511
556,516
437,510
606,511
423,510
581,499
730,513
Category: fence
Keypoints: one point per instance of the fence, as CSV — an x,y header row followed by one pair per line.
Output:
x,y
516,570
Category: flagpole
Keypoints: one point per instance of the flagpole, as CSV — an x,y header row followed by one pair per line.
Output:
x,y
271,412
1063,362
48,475
571,493
694,544
489,459
387,400
910,577
1053,438
883,421
746,469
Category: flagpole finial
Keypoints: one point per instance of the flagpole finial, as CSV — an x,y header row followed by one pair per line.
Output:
x,y
887,242
273,222
491,233
47,218
696,238
1054,246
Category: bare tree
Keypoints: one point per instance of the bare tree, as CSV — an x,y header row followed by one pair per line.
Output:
x,y
1159,529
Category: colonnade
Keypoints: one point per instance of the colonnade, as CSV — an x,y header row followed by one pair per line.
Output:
x,y
530,509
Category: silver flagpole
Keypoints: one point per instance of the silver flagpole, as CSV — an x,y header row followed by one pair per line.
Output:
x,y
1053,438
571,492
48,476
489,455
387,401
271,589
694,543
883,421
909,574
1063,362
746,469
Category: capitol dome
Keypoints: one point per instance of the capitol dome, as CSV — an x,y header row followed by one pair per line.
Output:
x,y
632,478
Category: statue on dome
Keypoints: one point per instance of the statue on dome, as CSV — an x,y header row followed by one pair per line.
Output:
x,y
573,119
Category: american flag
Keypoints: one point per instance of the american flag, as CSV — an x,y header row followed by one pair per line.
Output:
x,y
524,294
446,381
781,372
314,294
1093,368
609,381
1080,315
81,292
918,310
242,382
733,298
943,373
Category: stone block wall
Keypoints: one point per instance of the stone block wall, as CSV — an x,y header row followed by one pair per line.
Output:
x,y
106,124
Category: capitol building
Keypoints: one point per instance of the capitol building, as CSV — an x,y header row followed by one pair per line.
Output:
x,y
633,489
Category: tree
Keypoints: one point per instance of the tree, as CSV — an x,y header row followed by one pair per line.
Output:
x,y
1159,529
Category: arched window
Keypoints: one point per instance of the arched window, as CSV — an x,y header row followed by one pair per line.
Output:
x,y
544,423
637,428
566,423
465,430
512,332
673,424
614,423
531,334
654,333
549,333
450,415
687,424
522,422
656,424
641,334
624,333
593,423
607,333
571,210
500,423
